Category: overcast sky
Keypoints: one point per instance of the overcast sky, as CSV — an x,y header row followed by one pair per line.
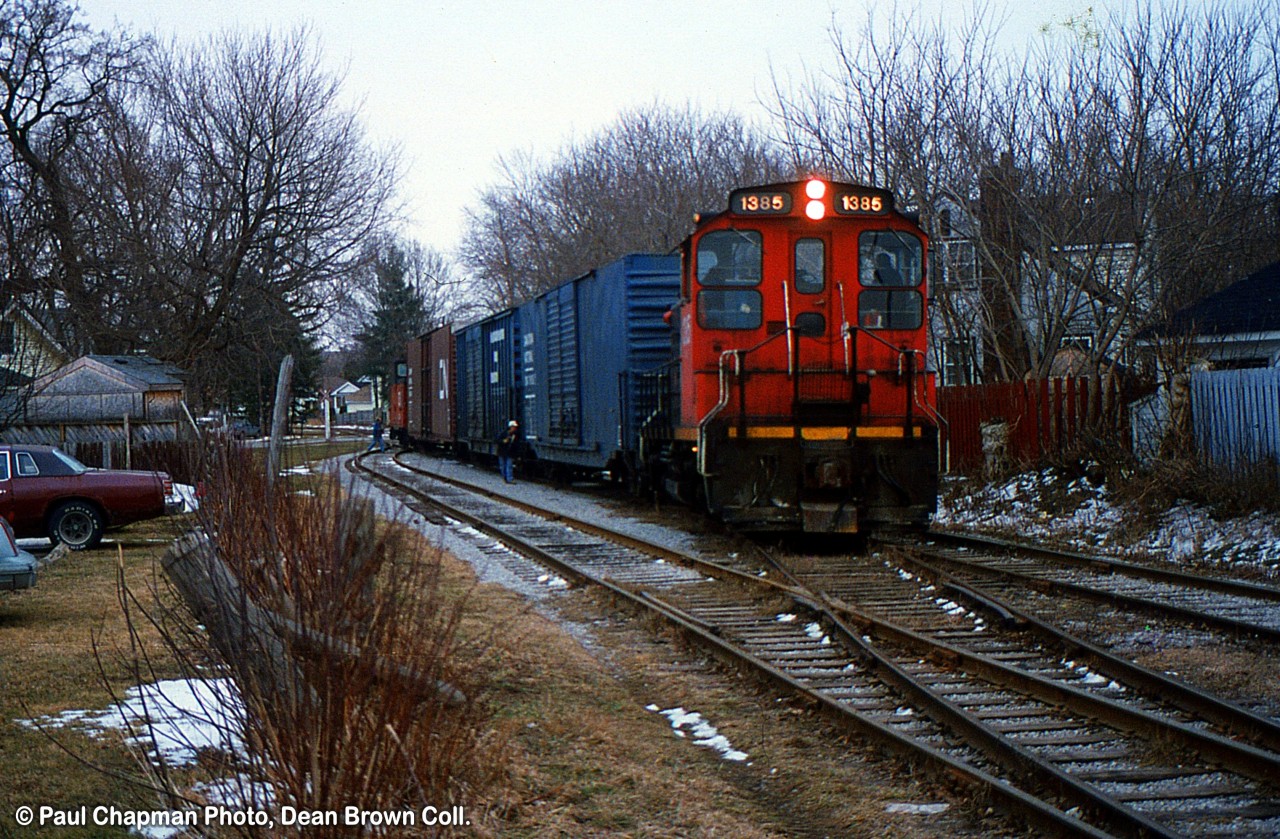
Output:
x,y
458,83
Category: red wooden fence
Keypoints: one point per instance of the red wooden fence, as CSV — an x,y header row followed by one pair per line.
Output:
x,y
1044,417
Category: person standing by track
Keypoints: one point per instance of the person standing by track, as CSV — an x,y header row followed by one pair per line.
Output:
x,y
510,443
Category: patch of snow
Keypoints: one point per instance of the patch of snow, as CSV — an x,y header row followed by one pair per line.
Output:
x,y
704,733
552,581
917,809
173,720
814,631
1088,520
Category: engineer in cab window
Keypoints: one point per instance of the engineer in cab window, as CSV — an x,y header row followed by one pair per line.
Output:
x,y
885,273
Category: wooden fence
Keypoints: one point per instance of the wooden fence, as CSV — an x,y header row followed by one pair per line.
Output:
x,y
1041,418
1235,416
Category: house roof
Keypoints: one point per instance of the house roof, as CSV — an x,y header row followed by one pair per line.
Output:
x,y
1251,305
129,372
335,386
157,374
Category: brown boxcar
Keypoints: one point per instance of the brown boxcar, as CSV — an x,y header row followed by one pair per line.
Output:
x,y
430,388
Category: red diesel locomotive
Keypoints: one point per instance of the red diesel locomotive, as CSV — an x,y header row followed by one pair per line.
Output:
x,y
795,394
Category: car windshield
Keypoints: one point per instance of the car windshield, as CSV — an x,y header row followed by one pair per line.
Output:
x,y
8,547
76,467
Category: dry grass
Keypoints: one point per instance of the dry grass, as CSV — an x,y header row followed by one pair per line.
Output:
x,y
1247,676
61,645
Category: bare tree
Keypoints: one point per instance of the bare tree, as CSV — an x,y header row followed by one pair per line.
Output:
x,y
56,77
1115,171
634,186
243,186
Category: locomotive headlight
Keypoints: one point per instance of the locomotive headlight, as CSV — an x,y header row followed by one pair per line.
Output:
x,y
815,190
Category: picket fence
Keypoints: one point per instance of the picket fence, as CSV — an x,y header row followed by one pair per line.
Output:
x,y
1235,416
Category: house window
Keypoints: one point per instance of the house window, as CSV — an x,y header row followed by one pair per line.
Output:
x,y
959,361
955,263
8,343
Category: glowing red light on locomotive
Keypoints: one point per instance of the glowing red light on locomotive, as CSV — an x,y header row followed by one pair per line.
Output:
x,y
815,190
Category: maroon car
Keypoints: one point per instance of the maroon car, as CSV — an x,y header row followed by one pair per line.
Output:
x,y
46,492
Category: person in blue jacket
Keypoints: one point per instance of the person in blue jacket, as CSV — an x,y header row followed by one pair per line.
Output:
x,y
510,443
377,442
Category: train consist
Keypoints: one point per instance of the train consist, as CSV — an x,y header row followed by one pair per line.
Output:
x,y
773,372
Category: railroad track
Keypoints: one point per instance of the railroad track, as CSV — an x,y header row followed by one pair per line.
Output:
x,y
1237,607
1006,716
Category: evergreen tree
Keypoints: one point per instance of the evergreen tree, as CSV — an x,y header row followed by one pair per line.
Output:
x,y
399,311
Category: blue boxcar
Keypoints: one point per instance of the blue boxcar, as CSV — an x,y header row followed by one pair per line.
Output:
x,y
557,363
577,341
489,380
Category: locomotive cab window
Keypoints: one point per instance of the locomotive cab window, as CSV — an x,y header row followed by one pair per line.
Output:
x,y
890,258
728,263
729,309
890,309
893,262
730,258
810,266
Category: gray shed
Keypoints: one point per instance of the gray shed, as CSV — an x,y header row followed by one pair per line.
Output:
x,y
107,388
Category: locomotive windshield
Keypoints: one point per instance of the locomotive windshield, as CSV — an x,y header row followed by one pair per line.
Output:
x,y
728,264
888,257
729,258
892,261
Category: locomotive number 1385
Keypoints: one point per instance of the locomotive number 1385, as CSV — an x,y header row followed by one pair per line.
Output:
x,y
762,203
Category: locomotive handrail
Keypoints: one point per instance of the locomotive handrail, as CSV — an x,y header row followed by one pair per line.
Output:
x,y
737,356
913,395
791,341
924,405
853,327
845,333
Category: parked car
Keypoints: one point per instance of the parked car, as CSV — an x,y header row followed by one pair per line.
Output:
x,y
47,492
17,567
235,429
242,429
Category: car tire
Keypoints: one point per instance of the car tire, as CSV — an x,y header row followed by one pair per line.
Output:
x,y
76,524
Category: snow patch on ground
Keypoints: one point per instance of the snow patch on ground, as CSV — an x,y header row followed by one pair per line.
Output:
x,y
917,809
704,733
173,720
1085,518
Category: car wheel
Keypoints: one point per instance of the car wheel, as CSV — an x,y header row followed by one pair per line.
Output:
x,y
76,524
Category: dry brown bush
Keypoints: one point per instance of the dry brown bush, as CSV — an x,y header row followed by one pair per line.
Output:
x,y
361,685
